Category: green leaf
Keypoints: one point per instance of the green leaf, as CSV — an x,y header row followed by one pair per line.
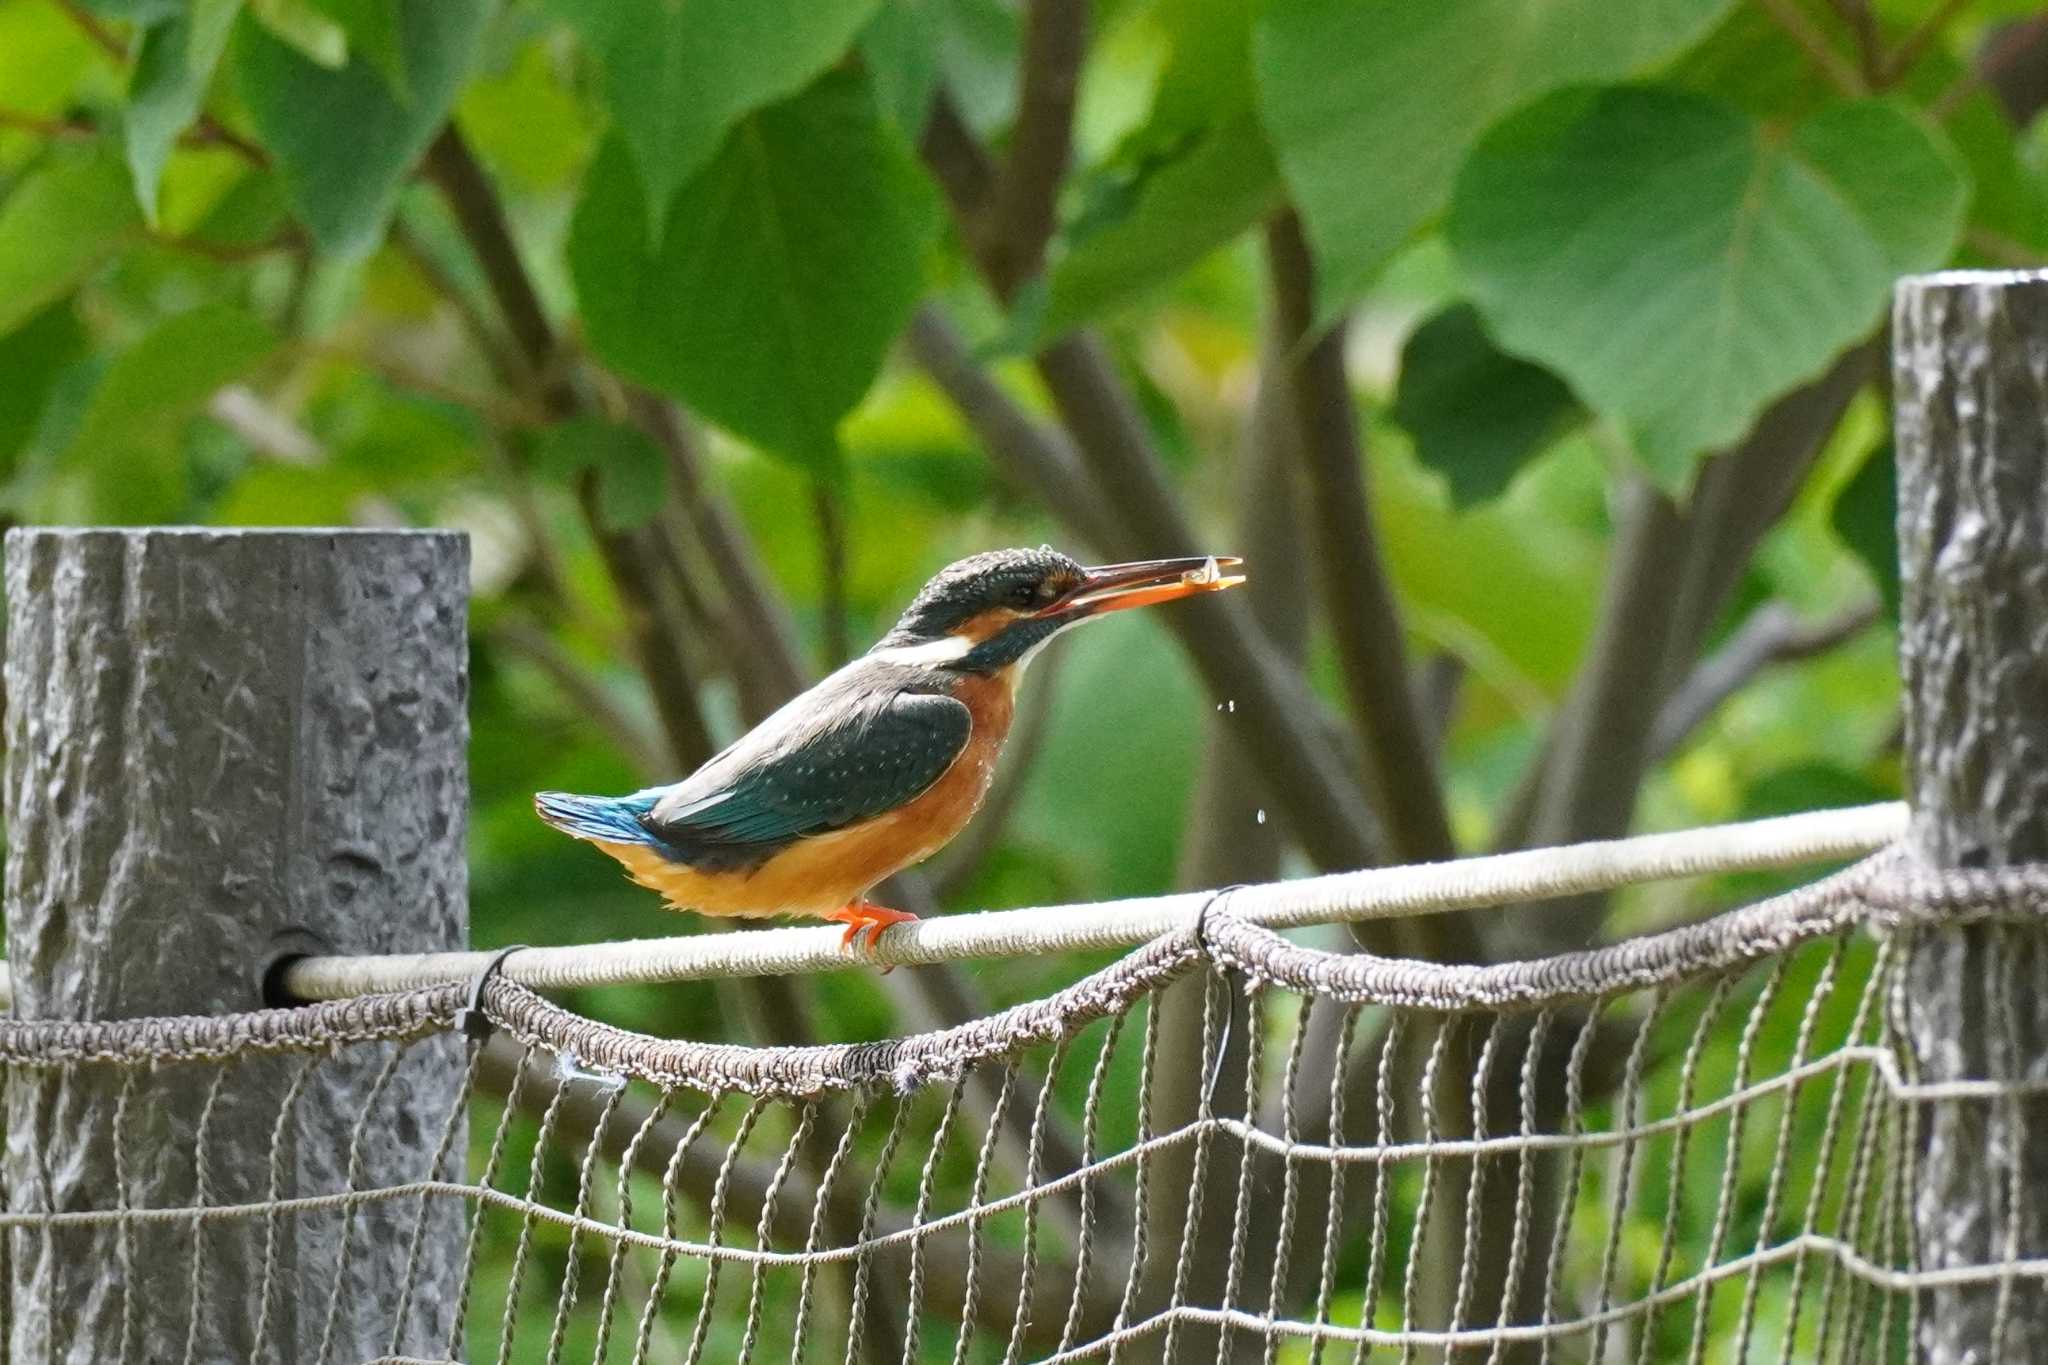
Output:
x,y
1477,414
344,142
371,28
61,220
300,25
129,438
135,11
1866,518
787,268
1682,264
1372,106
172,71
1176,213
678,76
632,475
31,357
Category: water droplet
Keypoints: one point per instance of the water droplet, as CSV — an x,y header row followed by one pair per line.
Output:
x,y
1262,815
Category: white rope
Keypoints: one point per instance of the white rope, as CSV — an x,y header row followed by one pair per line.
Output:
x,y
1375,893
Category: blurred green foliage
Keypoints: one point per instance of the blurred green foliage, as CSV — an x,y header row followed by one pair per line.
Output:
x,y
243,279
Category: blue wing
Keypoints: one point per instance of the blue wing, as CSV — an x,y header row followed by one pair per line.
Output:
x,y
863,761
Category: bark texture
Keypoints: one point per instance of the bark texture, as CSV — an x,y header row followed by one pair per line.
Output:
x,y
223,747
1971,366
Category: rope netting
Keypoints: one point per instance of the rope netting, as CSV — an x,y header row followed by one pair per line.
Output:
x,y
1697,1145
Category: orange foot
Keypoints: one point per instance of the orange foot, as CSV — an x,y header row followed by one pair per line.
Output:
x,y
865,915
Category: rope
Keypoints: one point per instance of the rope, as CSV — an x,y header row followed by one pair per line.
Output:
x,y
1375,893
1226,941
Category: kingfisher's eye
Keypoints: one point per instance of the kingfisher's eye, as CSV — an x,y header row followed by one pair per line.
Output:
x,y
1026,595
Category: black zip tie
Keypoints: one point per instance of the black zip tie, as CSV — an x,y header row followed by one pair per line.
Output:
x,y
471,1019
1216,898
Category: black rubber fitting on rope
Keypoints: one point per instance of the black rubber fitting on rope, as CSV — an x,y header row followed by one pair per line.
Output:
x,y
471,1019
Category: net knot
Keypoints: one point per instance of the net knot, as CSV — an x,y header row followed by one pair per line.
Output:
x,y
1210,904
471,1019
1902,889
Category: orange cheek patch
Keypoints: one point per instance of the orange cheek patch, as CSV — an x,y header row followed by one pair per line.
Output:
x,y
987,625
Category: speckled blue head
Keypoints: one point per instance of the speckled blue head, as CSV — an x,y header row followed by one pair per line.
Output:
x,y
1001,581
990,611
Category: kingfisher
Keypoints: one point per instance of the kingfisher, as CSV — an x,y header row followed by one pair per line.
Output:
x,y
879,765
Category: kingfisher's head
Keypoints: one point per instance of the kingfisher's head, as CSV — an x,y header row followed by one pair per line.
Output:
x,y
992,610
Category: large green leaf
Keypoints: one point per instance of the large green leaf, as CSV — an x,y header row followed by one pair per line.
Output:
x,y
1372,104
1682,264
62,219
128,439
1172,215
344,141
680,73
787,267
172,72
31,357
1477,414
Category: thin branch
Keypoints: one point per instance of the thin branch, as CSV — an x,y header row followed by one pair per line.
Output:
x,y
263,428
1739,495
497,348
452,168
1364,618
503,411
100,34
1035,458
762,637
1437,686
1023,204
957,160
1862,21
831,522
71,129
645,751
1773,634
1909,52
2014,62
1801,30
207,130
1596,754
962,860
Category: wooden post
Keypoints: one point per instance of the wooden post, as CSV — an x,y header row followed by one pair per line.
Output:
x,y
223,747
1971,366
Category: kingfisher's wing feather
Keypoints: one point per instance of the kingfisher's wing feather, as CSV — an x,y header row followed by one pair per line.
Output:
x,y
861,762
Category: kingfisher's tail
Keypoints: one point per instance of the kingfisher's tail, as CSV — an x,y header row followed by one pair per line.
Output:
x,y
608,819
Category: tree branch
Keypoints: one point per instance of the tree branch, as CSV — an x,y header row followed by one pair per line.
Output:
x,y
1908,53
1773,634
1365,621
644,750
1036,459
1741,494
831,571
453,169
1802,31
1023,203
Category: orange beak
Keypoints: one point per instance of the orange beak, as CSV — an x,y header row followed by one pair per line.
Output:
x,y
1113,587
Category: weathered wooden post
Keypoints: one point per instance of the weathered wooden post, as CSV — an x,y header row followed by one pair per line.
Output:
x,y
1971,365
224,746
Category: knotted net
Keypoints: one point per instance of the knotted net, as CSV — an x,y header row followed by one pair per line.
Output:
x,y
1699,1145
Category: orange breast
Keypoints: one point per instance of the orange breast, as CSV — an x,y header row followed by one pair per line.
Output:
x,y
822,873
